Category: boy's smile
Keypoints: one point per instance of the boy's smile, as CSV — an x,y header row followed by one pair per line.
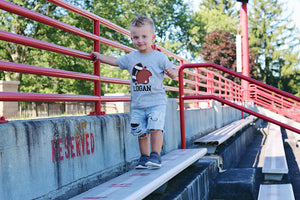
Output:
x,y
142,38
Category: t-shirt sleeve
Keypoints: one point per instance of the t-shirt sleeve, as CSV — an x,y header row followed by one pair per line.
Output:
x,y
167,63
123,62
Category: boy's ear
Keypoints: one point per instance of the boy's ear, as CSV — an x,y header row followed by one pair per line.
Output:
x,y
153,38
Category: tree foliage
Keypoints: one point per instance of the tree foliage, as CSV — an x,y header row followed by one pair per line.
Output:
x,y
220,48
205,21
220,24
223,6
273,38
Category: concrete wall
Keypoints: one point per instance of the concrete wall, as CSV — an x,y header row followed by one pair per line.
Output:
x,y
56,158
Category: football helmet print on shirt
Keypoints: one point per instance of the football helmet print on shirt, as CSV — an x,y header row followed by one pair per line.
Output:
x,y
140,74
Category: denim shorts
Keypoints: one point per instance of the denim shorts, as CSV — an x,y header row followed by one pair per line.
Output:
x,y
145,119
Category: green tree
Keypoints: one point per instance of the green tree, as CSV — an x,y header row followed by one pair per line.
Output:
x,y
212,15
219,47
205,21
224,6
273,37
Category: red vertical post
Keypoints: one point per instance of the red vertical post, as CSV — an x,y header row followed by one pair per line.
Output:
x,y
210,83
97,85
196,85
181,106
245,50
231,94
220,88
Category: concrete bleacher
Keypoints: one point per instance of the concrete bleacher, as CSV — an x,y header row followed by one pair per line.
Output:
x,y
275,167
276,191
212,140
137,184
275,164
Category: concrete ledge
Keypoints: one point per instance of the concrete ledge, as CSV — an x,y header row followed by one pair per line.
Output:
x,y
137,184
68,151
276,191
235,184
212,140
275,164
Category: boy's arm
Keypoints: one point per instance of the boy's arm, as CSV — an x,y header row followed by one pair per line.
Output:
x,y
111,60
172,73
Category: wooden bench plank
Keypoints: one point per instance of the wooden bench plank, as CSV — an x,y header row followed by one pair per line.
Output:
x,y
276,191
217,137
137,184
275,164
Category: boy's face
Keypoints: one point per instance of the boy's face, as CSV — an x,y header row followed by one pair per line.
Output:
x,y
142,38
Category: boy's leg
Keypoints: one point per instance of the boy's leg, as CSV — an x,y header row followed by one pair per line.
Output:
x,y
138,129
156,122
156,141
144,143
154,161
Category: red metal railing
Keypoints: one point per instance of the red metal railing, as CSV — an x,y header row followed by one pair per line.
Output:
x,y
274,102
11,37
211,82
183,97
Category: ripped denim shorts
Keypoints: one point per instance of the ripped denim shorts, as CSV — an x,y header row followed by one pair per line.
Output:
x,y
145,119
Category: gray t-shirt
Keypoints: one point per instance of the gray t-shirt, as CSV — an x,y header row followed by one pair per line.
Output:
x,y
147,74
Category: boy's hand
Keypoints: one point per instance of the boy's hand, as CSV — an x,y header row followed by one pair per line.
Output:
x,y
111,60
172,73
96,56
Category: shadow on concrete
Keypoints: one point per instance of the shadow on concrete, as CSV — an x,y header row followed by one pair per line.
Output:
x,y
292,151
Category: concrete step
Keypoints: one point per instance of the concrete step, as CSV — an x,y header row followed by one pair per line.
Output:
x,y
275,164
235,183
276,191
192,183
137,184
212,140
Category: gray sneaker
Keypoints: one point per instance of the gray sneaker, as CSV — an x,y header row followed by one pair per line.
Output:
x,y
142,162
154,161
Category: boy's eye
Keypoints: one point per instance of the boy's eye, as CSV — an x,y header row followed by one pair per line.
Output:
x,y
135,37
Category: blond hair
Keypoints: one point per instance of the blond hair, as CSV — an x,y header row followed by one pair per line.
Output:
x,y
142,20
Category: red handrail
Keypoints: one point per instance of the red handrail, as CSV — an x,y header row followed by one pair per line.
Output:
x,y
182,97
251,80
95,37
10,7
272,101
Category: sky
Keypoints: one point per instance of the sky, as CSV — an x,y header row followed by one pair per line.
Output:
x,y
294,6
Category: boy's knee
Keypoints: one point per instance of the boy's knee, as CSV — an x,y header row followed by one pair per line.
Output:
x,y
143,136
